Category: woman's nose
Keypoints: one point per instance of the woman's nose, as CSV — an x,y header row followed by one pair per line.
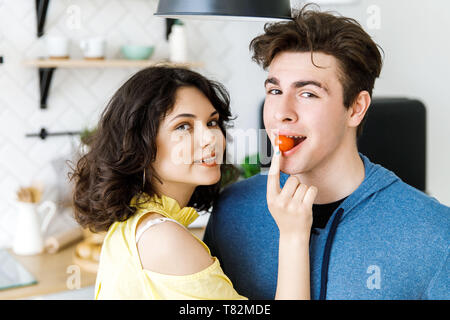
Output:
x,y
209,137
206,135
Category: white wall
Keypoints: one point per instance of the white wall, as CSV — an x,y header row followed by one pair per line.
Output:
x,y
414,37
412,33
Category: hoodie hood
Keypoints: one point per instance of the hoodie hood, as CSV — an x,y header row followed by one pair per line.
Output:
x,y
376,178
385,230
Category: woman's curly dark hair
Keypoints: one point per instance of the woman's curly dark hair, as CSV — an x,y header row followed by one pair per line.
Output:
x,y
124,145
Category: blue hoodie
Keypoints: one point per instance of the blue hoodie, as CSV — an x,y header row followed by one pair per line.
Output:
x,y
387,240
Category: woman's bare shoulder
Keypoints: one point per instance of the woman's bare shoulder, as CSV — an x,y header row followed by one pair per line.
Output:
x,y
168,248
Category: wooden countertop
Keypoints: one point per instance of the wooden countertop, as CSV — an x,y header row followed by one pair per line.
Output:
x,y
54,272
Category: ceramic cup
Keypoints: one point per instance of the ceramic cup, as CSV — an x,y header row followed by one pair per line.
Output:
x,y
57,47
93,48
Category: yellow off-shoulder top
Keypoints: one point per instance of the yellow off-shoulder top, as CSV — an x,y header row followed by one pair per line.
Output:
x,y
120,273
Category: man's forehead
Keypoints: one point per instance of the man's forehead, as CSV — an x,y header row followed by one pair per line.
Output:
x,y
287,68
301,63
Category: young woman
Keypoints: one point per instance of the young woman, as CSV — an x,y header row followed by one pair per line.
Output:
x,y
158,157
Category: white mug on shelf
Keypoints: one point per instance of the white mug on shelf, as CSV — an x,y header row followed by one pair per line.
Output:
x,y
57,47
30,231
93,48
178,44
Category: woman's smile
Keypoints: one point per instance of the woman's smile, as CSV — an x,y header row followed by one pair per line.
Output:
x,y
208,161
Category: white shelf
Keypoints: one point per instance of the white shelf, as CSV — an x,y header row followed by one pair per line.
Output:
x,y
106,63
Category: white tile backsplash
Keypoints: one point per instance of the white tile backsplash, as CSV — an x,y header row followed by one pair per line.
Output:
x,y
77,96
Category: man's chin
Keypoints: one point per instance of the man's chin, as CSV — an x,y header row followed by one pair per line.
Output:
x,y
295,165
293,170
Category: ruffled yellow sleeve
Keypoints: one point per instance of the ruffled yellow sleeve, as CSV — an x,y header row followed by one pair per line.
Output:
x,y
209,284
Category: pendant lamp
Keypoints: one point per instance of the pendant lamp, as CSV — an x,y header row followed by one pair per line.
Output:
x,y
256,10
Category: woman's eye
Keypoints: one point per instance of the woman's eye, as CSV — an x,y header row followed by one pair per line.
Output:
x,y
274,91
183,127
214,123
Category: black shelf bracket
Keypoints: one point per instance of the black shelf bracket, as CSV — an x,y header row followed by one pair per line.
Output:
x,y
41,14
43,134
45,79
169,23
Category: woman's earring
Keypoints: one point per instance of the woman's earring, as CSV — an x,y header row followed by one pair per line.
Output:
x,y
143,181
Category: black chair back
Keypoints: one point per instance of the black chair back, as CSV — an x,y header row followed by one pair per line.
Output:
x,y
394,136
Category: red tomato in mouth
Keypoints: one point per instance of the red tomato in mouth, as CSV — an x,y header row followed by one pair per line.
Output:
x,y
284,143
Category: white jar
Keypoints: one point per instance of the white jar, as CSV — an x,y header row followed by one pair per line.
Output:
x,y
178,44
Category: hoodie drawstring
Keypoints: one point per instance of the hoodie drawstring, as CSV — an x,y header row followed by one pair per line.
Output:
x,y
326,255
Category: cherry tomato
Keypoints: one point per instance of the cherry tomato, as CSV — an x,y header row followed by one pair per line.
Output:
x,y
284,143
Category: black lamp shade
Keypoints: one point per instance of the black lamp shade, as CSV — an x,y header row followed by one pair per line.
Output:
x,y
225,9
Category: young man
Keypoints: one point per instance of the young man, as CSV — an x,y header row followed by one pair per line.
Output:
x,y
374,237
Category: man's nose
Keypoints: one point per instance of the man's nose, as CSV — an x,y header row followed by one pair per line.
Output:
x,y
285,111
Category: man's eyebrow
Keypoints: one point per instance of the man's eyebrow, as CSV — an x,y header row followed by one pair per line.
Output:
x,y
300,84
190,115
271,80
297,84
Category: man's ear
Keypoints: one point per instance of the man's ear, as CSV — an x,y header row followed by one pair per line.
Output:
x,y
358,109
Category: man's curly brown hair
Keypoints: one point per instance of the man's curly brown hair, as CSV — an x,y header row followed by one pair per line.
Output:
x,y
359,59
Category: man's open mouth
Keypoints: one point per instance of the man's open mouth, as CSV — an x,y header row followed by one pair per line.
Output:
x,y
295,144
297,139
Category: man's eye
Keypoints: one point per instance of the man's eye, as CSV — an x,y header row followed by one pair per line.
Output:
x,y
308,95
183,127
274,91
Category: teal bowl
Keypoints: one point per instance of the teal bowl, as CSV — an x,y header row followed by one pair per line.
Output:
x,y
134,52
